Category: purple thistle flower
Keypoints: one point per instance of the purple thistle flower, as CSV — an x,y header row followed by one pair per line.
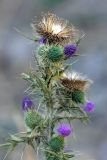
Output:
x,y
64,129
26,103
89,107
42,40
70,49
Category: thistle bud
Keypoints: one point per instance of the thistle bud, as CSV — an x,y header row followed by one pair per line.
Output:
x,y
32,119
55,53
78,96
56,143
42,50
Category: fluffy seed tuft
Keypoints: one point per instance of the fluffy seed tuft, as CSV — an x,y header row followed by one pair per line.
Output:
x,y
75,81
55,30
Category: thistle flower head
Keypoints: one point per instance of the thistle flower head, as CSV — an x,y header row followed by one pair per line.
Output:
x,y
55,30
27,103
64,129
70,49
89,106
75,81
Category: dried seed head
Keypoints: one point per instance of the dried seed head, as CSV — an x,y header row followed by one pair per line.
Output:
x,y
55,30
75,81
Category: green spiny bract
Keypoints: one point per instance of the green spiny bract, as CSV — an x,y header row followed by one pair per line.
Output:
x,y
32,119
42,50
78,96
58,156
57,143
55,53
50,157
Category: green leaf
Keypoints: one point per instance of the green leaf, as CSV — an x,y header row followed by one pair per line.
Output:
x,y
25,76
15,138
5,145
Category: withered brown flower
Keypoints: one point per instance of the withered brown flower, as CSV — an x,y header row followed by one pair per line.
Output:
x,y
56,30
75,81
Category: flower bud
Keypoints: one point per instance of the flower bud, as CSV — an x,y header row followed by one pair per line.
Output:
x,y
55,53
78,96
42,50
32,119
56,143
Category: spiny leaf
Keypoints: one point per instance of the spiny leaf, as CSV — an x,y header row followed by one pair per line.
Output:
x,y
15,138
5,145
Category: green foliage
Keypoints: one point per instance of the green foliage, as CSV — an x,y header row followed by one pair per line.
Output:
x,y
50,155
53,158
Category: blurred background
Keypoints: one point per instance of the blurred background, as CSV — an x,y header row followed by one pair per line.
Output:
x,y
16,55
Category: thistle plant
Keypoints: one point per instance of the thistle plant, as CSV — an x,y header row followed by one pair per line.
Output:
x,y
59,92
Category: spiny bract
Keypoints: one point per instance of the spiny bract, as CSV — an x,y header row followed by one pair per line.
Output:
x,y
78,96
55,53
32,119
56,143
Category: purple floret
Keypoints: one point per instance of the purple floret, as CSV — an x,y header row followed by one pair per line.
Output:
x,y
42,40
64,129
70,49
89,107
26,103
